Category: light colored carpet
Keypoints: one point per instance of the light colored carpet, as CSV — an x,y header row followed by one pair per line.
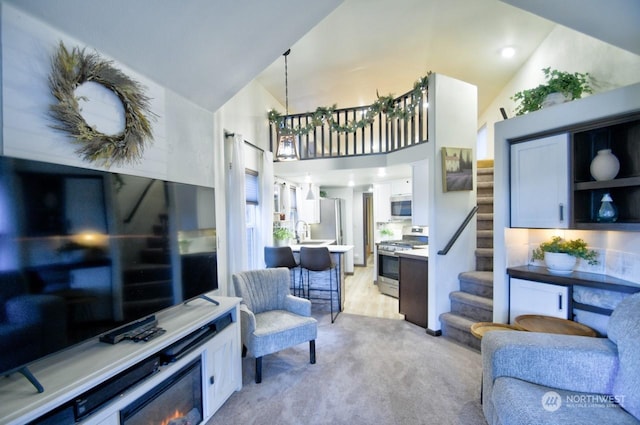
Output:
x,y
368,371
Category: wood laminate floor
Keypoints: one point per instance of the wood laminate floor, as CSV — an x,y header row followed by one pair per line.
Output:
x,y
362,296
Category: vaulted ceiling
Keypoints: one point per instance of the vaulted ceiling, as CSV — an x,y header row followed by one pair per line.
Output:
x,y
342,51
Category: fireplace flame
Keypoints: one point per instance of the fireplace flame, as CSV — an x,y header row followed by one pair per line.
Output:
x,y
176,415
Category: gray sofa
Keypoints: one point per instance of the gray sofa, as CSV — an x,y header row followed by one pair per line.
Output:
x,y
539,378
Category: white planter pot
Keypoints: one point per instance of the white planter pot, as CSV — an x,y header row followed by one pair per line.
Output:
x,y
559,262
281,242
554,99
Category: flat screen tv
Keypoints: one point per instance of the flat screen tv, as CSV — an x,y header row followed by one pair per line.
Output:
x,y
83,252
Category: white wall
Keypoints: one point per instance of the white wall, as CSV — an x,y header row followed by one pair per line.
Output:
x,y
182,146
448,210
565,50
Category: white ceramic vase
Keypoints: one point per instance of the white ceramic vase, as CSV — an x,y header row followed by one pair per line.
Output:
x,y
559,262
554,98
605,165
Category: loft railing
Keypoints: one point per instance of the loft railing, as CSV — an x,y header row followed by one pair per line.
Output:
x,y
383,135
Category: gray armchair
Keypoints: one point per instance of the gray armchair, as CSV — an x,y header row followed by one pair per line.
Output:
x,y
271,318
540,378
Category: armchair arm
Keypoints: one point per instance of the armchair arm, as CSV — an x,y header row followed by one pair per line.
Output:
x,y
247,322
575,363
297,305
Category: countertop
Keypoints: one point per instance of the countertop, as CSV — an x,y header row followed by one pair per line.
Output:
x,y
315,243
416,254
574,278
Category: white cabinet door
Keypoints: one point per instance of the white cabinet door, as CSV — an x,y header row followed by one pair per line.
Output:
x,y
540,183
530,297
401,187
381,203
308,210
223,370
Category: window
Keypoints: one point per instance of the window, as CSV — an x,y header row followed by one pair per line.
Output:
x,y
251,216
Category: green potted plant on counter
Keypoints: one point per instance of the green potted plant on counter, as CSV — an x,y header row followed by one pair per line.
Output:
x,y
560,87
560,255
282,236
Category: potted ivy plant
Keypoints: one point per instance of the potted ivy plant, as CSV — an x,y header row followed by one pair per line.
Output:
x,y
282,235
560,255
560,87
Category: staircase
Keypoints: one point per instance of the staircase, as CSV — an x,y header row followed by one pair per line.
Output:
x,y
474,301
147,284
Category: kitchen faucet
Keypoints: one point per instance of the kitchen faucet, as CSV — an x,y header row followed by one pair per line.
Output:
x,y
304,232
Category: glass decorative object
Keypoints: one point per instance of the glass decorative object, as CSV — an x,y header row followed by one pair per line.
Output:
x,y
607,213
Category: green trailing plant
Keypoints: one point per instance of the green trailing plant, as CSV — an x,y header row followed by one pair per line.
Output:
x,y
386,232
571,85
282,233
575,247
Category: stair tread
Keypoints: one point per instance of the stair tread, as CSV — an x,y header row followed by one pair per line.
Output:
x,y
472,299
457,321
485,216
485,233
481,277
484,252
484,199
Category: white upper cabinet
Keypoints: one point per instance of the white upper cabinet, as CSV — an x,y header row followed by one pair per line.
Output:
x,y
540,183
401,187
381,202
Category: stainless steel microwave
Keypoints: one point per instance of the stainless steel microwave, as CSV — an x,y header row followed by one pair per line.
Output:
x,y
400,207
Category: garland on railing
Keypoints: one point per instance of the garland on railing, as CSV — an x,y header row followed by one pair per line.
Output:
x,y
384,104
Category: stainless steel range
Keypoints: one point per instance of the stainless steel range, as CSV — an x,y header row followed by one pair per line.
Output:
x,y
388,263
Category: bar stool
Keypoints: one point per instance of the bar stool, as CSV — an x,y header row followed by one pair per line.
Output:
x,y
282,256
318,259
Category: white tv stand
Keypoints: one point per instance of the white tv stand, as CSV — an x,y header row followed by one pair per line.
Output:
x,y
72,372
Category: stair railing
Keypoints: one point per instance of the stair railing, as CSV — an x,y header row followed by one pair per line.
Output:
x,y
456,235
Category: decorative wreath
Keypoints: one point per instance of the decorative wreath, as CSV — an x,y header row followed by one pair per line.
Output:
x,y
70,69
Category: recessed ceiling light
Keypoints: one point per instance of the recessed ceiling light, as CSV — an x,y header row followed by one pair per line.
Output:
x,y
508,52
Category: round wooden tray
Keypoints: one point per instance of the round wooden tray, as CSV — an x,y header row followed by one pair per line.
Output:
x,y
478,329
552,325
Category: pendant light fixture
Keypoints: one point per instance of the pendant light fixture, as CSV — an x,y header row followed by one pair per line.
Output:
x,y
287,150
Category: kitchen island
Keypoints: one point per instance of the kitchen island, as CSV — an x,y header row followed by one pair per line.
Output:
x,y
321,279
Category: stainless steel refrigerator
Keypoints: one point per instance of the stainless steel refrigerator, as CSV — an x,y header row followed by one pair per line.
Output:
x,y
331,221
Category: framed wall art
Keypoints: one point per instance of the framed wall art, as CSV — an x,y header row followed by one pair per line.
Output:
x,y
457,169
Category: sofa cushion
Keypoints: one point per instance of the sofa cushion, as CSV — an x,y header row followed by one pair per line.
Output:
x,y
624,331
519,402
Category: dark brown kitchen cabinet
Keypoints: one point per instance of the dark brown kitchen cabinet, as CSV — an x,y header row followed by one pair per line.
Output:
x,y
413,290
